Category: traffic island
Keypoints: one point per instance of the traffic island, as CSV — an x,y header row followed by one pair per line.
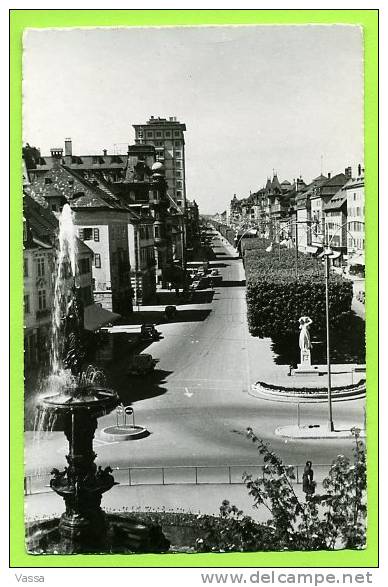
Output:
x,y
123,433
315,432
348,383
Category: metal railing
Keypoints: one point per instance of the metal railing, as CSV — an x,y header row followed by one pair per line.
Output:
x,y
178,475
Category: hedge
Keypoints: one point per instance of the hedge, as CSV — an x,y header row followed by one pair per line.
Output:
x,y
277,297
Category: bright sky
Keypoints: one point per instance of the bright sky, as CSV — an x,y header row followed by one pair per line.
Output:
x,y
254,98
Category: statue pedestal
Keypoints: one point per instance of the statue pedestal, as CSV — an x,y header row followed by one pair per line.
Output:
x,y
304,367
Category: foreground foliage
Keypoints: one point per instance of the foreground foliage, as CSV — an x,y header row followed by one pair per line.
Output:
x,y
332,520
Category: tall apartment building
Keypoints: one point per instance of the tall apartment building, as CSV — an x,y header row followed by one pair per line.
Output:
x,y
167,136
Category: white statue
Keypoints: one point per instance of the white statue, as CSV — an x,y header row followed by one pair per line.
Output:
x,y
304,336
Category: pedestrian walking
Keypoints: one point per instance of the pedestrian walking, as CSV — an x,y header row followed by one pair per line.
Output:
x,y
308,480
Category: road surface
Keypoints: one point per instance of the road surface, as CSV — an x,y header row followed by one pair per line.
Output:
x,y
196,406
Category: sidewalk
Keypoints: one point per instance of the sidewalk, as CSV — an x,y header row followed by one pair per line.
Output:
x,y
204,499
316,432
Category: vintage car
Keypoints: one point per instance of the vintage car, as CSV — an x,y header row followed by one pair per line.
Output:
x,y
149,332
170,312
142,364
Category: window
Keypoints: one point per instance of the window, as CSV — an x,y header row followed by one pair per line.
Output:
x,y
178,194
48,180
167,134
42,299
149,134
178,154
85,234
157,231
177,143
97,261
179,184
25,267
40,266
178,164
177,133
26,304
140,133
158,143
178,173
158,134
96,235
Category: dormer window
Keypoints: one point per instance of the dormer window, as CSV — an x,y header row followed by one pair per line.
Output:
x,y
48,180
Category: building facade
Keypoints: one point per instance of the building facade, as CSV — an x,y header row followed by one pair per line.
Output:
x,y
355,201
167,136
102,223
40,228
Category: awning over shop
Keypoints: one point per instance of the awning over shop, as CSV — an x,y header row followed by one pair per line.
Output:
x,y
357,259
335,255
95,317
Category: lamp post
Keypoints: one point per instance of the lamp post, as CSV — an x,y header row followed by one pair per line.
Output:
x,y
327,253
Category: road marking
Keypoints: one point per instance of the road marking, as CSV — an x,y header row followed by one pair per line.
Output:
x,y
188,393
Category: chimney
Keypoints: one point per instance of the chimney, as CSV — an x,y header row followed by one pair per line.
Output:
x,y
329,175
348,172
56,155
105,152
68,147
68,151
359,170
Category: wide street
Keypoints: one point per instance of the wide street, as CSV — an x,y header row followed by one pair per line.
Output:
x,y
196,406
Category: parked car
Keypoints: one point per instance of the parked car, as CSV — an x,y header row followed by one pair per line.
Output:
x,y
142,364
149,332
170,312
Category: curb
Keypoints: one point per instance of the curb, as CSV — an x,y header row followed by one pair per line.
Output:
x,y
280,396
123,433
304,434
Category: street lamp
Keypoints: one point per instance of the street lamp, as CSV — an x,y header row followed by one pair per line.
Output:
x,y
327,252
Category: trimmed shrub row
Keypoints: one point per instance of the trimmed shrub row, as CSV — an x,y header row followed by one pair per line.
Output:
x,y
277,297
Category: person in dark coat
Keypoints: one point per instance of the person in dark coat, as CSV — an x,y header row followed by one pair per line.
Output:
x,y
308,480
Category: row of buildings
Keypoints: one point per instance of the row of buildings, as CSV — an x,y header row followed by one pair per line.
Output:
x,y
135,226
328,210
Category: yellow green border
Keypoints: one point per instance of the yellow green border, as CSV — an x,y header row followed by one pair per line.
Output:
x,y
19,20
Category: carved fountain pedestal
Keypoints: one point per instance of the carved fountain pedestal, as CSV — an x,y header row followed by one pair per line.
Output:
x,y
84,527
81,484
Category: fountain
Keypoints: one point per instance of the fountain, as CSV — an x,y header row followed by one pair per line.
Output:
x,y
74,400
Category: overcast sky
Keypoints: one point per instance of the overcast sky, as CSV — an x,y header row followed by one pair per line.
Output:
x,y
254,99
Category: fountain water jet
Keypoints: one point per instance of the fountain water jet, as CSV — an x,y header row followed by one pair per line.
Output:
x,y
74,398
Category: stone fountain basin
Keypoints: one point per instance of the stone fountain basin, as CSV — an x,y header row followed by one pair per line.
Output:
x,y
94,401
